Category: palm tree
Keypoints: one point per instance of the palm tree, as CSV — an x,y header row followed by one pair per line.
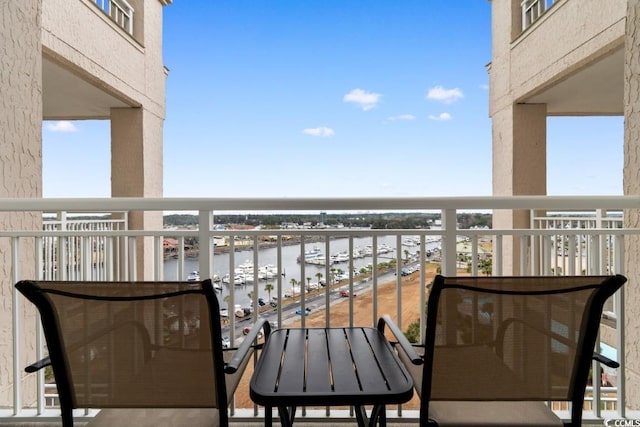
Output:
x,y
268,288
308,284
319,276
294,283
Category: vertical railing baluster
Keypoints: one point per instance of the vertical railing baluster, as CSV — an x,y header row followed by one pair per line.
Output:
x,y
16,327
205,244
449,255
39,338
620,330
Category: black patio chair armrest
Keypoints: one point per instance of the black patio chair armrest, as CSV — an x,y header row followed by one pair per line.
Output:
x,y
247,345
36,366
605,360
404,343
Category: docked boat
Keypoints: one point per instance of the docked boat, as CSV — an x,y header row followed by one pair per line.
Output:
x,y
238,279
194,276
310,254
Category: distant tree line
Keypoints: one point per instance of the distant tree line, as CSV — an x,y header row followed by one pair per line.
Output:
x,y
376,221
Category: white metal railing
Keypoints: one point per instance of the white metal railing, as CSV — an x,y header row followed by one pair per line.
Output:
x,y
75,257
532,10
354,260
120,11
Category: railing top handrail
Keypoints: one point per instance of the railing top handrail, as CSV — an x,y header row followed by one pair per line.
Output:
x,y
329,232
329,204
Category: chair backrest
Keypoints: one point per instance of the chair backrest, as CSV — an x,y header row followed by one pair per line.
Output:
x,y
512,338
132,344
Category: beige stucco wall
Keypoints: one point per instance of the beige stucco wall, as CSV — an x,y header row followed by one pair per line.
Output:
x,y
572,33
20,160
632,187
519,167
136,171
82,38
569,36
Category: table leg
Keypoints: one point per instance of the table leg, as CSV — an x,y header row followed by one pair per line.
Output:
x,y
378,416
379,413
268,416
287,414
361,416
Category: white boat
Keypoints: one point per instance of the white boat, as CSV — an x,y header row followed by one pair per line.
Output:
x,y
384,248
194,276
340,257
319,260
310,254
238,279
264,273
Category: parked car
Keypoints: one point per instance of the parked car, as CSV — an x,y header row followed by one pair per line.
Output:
x,y
226,343
306,311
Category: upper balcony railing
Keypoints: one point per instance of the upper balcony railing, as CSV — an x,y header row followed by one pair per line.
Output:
x,y
119,11
315,267
532,10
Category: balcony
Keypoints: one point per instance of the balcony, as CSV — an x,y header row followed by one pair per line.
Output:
x,y
119,11
344,275
532,10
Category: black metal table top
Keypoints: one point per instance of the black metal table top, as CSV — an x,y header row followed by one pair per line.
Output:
x,y
335,366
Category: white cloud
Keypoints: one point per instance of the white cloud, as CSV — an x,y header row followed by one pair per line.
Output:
x,y
365,100
62,126
320,131
442,117
484,86
448,96
401,117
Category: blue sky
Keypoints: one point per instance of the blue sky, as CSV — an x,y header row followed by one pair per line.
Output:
x,y
331,98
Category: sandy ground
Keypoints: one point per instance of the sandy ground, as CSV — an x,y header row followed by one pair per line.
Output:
x,y
363,316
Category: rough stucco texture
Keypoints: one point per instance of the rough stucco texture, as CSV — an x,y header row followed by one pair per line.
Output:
x,y
632,187
20,99
20,161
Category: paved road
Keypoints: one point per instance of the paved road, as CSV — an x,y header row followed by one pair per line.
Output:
x,y
314,302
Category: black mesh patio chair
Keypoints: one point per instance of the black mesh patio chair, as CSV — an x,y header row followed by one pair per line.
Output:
x,y
497,348
149,353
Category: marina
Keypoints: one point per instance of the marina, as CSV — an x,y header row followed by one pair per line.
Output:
x,y
245,280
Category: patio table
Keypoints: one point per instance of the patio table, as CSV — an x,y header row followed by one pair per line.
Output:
x,y
351,366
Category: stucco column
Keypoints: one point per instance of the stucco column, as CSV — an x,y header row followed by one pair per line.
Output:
x,y
136,171
519,167
632,217
21,165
